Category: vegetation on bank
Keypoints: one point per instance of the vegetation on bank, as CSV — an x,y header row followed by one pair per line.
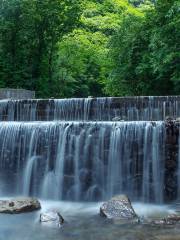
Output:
x,y
76,48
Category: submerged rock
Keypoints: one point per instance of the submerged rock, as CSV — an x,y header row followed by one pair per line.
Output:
x,y
118,208
19,205
172,219
52,218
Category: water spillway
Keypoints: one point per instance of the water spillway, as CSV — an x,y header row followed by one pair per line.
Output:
x,y
83,161
91,109
67,156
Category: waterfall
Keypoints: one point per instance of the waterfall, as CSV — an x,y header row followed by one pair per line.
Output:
x,y
153,162
91,109
178,173
28,175
84,160
90,149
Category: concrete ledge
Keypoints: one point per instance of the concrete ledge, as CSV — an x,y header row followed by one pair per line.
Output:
x,y
92,109
8,93
171,164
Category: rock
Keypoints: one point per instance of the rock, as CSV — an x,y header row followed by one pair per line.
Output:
x,y
118,208
178,119
11,204
116,119
119,119
19,205
52,218
172,219
161,222
169,119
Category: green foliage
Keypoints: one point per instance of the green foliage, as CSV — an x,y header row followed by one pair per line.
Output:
x,y
80,64
83,63
140,3
76,48
146,53
105,15
165,45
30,30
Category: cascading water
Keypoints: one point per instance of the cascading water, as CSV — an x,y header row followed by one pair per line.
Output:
x,y
83,161
84,150
91,109
178,173
153,163
67,156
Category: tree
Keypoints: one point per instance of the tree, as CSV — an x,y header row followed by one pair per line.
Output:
x,y
84,63
80,64
164,46
146,53
76,48
139,3
30,30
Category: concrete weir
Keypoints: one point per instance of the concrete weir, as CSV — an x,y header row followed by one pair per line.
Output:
x,y
9,93
91,109
91,149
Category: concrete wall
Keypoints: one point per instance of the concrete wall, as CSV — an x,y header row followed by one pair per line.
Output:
x,y
172,148
102,109
16,94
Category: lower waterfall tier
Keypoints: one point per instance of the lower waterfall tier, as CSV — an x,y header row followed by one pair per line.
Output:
x,y
89,161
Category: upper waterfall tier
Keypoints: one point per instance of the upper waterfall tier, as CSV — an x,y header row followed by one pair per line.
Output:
x,y
83,160
91,109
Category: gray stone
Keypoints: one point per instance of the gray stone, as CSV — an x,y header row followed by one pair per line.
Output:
x,y
52,218
118,208
19,205
169,118
119,119
116,119
172,219
9,93
178,119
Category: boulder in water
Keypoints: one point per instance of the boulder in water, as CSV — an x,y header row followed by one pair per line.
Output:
x,y
19,205
52,218
172,219
118,208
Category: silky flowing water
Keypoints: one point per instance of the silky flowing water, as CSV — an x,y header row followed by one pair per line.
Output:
x,y
91,109
76,153
83,222
83,161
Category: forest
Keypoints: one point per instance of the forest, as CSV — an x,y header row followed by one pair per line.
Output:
x,y
80,48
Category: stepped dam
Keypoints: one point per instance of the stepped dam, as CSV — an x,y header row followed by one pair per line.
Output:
x,y
91,149
91,109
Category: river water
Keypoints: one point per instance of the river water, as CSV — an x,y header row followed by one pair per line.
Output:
x,y
84,223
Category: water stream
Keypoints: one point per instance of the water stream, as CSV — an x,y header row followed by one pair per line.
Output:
x,y
75,153
86,161
83,222
91,109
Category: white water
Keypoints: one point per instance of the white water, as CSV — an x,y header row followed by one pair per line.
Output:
x,y
87,109
84,160
71,209
82,221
